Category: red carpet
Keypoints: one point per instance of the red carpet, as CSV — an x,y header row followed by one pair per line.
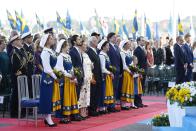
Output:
x,y
105,122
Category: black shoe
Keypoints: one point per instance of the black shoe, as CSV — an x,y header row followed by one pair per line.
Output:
x,y
64,121
125,108
50,125
144,105
76,118
93,113
112,110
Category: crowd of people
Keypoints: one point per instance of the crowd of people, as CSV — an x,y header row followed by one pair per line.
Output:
x,y
89,76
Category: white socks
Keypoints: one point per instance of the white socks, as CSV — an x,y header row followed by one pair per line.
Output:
x,y
49,119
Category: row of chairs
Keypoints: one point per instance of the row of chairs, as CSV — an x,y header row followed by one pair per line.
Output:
x,y
23,96
158,78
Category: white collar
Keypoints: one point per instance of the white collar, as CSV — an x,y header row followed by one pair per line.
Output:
x,y
64,55
93,49
48,49
18,47
27,44
103,53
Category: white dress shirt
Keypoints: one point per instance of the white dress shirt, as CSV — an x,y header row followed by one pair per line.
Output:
x,y
45,56
59,65
123,54
102,57
93,49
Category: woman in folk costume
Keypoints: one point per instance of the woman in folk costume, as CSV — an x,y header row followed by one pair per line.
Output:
x,y
137,81
49,88
108,93
69,100
84,100
127,96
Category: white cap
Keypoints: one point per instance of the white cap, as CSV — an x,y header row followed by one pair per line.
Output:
x,y
43,40
48,29
100,44
122,43
26,35
59,45
14,38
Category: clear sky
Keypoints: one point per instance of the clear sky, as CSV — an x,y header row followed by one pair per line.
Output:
x,y
155,10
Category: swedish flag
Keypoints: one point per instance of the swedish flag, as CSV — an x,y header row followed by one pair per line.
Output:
x,y
125,28
11,20
39,22
117,28
148,31
135,25
98,24
23,25
62,23
180,28
68,21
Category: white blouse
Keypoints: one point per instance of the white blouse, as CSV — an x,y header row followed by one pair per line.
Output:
x,y
123,54
102,56
45,56
59,65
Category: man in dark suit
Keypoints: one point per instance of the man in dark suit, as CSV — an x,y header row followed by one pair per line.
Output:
x,y
116,61
169,54
28,50
77,59
95,91
180,60
141,55
19,67
189,56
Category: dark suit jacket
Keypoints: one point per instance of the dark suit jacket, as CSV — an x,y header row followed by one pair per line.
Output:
x,y
188,53
169,56
115,59
180,57
30,57
77,62
141,56
97,66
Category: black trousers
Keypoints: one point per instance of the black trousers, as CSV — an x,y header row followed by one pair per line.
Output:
x,y
180,76
194,76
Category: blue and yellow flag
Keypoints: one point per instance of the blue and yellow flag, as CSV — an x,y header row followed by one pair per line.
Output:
x,y
117,28
39,22
68,21
135,25
125,28
12,21
148,31
61,22
23,25
180,28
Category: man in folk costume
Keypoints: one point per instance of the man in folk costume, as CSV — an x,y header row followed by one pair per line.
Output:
x,y
115,58
19,67
28,49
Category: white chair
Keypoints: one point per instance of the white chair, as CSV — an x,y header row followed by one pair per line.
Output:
x,y
23,99
36,80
